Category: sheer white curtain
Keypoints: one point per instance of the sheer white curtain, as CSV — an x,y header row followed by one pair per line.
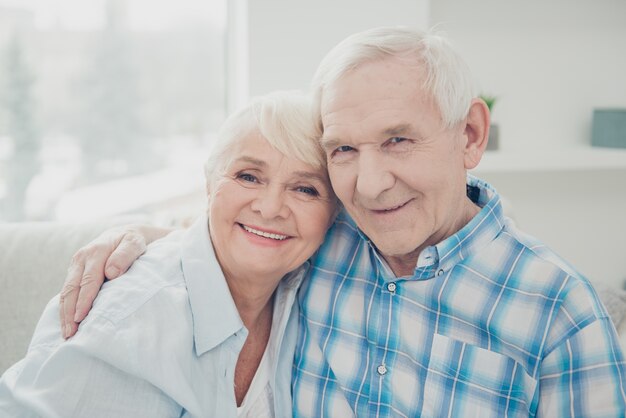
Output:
x,y
106,106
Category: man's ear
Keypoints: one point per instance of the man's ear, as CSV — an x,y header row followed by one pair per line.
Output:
x,y
477,133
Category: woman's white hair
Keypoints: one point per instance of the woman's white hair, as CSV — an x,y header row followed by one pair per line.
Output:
x,y
283,118
447,77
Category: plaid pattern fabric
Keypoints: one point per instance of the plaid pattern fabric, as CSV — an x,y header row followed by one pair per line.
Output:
x,y
492,324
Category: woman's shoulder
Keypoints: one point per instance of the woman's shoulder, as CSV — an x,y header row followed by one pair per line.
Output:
x,y
153,283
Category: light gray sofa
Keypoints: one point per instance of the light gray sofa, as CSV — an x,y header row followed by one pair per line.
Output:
x,y
34,258
33,262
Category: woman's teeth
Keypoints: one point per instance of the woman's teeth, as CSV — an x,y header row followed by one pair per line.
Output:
x,y
264,234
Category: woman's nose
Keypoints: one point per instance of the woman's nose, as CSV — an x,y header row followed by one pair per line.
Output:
x,y
270,203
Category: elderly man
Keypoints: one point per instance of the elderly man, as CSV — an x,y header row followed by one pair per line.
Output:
x,y
424,299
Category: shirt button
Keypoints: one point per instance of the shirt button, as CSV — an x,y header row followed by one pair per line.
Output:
x,y
382,370
439,272
391,287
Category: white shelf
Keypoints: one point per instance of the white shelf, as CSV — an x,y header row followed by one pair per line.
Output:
x,y
571,159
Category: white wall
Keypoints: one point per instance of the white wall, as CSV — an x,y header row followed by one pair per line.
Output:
x,y
549,62
287,38
579,214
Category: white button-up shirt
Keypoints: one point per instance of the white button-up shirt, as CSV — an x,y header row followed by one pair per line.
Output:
x,y
161,342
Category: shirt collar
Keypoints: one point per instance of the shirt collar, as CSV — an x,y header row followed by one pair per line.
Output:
x,y
214,313
215,316
438,259
479,232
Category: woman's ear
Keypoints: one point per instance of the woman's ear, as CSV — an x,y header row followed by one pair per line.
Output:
x,y
477,132
338,207
208,189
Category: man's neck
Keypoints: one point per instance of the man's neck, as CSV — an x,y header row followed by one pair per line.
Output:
x,y
404,265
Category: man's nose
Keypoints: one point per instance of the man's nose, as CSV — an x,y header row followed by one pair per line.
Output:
x,y
374,175
271,203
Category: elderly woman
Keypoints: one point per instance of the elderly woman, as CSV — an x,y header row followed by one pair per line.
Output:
x,y
206,326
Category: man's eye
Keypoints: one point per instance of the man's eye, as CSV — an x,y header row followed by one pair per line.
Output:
x,y
343,148
342,153
397,140
247,177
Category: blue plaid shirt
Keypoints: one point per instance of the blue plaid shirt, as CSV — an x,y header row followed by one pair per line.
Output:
x,y
491,324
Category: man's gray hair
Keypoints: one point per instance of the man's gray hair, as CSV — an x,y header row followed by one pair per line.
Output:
x,y
447,77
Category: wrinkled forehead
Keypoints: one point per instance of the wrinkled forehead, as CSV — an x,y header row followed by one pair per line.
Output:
x,y
378,80
376,98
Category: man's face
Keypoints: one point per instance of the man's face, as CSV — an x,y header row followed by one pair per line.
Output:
x,y
398,171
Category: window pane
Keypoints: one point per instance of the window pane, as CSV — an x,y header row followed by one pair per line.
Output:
x,y
106,106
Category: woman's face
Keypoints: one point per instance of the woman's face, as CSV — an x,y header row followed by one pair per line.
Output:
x,y
268,213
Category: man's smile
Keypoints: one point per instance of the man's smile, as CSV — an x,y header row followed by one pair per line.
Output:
x,y
389,209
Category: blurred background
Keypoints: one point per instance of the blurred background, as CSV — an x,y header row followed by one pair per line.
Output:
x,y
106,104
107,107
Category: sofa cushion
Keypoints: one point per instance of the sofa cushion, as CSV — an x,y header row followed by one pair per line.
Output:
x,y
34,258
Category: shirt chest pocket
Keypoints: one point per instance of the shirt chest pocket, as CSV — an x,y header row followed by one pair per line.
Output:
x,y
468,381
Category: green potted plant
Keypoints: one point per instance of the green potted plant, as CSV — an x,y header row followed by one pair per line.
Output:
x,y
493,128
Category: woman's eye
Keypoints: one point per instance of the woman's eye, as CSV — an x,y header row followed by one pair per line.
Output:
x,y
247,177
311,191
